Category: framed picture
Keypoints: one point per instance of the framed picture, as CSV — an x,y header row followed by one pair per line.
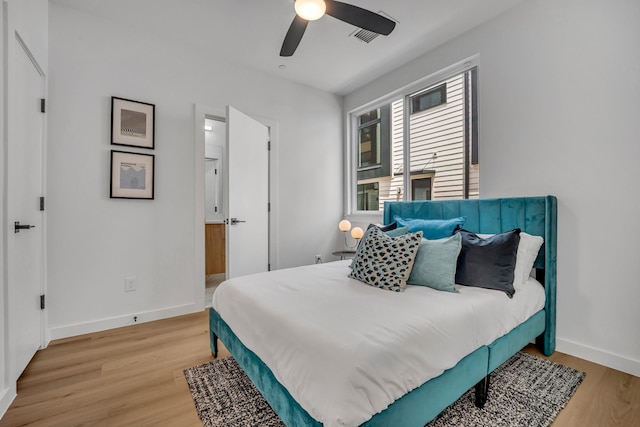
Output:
x,y
132,123
132,175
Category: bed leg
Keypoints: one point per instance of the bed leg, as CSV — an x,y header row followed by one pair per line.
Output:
x,y
214,345
482,392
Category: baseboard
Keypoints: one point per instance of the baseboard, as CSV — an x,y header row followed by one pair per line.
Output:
x,y
613,361
120,321
6,397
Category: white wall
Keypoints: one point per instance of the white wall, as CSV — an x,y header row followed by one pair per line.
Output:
x,y
95,242
559,89
28,18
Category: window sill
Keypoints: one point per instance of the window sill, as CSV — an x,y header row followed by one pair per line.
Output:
x,y
362,217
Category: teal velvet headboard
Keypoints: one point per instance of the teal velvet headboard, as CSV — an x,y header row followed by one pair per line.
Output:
x,y
534,215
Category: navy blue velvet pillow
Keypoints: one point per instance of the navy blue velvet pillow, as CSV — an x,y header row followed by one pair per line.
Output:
x,y
385,228
488,263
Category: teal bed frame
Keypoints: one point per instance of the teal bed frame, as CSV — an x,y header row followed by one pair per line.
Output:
x,y
534,215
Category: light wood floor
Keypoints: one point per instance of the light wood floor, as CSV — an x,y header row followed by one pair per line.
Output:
x,y
133,376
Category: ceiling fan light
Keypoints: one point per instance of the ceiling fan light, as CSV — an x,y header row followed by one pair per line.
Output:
x,y
310,9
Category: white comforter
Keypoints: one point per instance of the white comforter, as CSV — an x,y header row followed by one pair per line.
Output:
x,y
344,350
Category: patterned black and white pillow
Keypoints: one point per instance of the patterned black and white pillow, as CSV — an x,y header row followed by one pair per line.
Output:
x,y
385,262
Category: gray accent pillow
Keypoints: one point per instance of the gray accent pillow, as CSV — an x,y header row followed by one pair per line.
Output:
x,y
385,262
435,263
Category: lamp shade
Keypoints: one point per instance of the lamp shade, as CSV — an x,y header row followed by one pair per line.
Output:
x,y
357,233
344,225
310,9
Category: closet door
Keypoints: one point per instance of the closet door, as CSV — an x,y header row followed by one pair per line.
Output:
x,y
25,234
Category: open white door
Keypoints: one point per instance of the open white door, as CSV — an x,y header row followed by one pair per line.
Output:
x,y
247,203
25,234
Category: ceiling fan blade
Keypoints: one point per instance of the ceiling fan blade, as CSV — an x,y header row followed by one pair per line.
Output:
x,y
293,37
359,17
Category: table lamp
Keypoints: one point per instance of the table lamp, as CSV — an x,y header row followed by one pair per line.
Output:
x,y
356,232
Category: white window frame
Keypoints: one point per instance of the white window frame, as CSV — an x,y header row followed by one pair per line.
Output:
x,y
351,148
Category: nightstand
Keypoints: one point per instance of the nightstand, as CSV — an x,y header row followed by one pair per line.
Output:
x,y
344,254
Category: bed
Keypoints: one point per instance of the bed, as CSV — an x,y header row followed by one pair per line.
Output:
x,y
533,215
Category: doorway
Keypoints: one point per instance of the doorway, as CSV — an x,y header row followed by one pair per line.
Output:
x,y
209,198
215,135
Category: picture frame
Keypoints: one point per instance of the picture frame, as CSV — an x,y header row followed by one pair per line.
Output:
x,y
132,175
132,123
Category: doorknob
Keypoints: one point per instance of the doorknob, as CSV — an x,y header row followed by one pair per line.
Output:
x,y
234,221
18,227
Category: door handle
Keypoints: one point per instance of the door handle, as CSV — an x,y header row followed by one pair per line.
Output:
x,y
18,227
234,221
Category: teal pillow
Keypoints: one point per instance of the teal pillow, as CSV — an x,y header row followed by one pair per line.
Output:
x,y
397,232
435,263
432,229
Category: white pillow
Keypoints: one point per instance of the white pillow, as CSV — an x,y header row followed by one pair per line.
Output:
x,y
528,249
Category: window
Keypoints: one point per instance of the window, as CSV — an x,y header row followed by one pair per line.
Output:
x,y
369,139
429,99
421,189
368,196
374,144
415,151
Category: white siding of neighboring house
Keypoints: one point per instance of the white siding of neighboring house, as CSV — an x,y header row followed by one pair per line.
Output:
x,y
437,148
474,181
437,143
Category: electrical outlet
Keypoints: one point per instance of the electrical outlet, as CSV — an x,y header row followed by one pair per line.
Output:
x,y
130,283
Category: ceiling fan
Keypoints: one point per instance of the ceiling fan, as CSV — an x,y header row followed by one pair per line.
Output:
x,y
310,10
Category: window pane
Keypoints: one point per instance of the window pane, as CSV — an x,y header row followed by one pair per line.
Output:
x,y
369,145
429,99
421,189
395,191
370,116
437,140
368,197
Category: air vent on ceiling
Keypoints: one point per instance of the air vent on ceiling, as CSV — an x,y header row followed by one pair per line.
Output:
x,y
366,35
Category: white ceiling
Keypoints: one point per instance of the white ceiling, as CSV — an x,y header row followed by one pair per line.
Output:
x,y
250,32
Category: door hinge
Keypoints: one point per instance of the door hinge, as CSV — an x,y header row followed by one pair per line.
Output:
x,y
42,203
42,105
268,206
215,171
269,145
41,302
268,267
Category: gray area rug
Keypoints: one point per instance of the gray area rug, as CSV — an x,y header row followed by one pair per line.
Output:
x,y
525,391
